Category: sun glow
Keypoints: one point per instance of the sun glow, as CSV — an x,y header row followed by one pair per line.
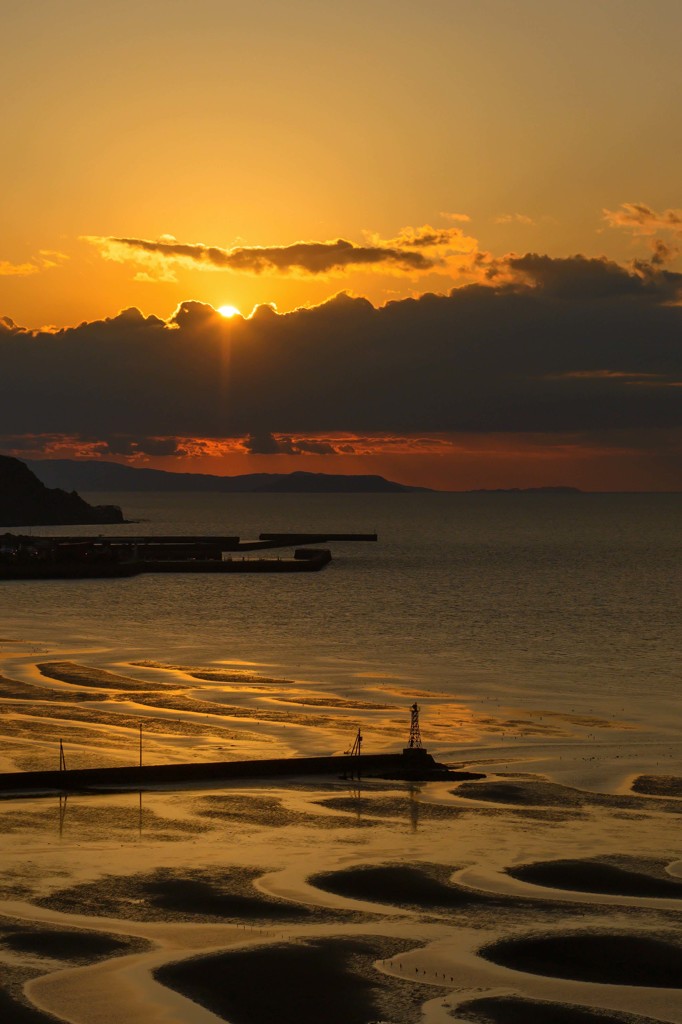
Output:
x,y
228,311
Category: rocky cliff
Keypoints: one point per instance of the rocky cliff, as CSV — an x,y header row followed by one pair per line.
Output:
x,y
25,501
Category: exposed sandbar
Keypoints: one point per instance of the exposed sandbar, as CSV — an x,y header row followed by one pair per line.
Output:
x,y
119,719
524,794
13,689
514,1010
597,877
190,896
62,944
551,794
335,702
86,675
269,812
607,958
658,785
414,809
423,886
70,946
13,1011
214,675
330,980
91,822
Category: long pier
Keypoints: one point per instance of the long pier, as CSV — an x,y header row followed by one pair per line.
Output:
x,y
285,539
397,766
75,557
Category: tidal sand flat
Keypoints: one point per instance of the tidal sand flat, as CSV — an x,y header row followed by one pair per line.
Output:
x,y
658,785
606,958
12,1009
513,1010
63,944
253,882
86,675
331,980
270,813
419,886
600,877
190,895
30,950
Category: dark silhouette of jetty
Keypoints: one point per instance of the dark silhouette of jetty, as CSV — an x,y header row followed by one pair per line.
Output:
x,y
413,764
388,766
23,557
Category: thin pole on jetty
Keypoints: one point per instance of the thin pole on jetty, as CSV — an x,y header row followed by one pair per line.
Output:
x,y
354,754
62,757
140,744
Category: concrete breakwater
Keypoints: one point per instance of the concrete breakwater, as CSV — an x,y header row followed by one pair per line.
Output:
x,y
396,766
303,560
75,557
284,539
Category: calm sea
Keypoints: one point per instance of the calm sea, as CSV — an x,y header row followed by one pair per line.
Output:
x,y
569,600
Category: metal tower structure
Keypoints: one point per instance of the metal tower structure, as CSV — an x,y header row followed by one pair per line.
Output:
x,y
415,734
354,757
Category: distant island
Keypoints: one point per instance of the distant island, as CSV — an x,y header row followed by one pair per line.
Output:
x,y
26,501
99,475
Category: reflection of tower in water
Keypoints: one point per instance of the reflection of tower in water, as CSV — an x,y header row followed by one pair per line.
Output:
x,y
414,789
63,797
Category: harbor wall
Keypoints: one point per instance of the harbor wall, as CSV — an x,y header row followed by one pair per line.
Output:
x,y
134,776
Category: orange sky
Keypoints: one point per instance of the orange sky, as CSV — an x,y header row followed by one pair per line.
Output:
x,y
171,151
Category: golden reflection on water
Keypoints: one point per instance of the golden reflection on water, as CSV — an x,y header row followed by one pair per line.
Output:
x,y
114,862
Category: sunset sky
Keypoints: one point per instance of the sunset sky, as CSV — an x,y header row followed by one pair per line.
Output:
x,y
446,237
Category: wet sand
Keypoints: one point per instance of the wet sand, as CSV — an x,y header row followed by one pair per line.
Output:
x,y
192,896
605,958
486,901
16,1012
330,980
598,877
424,887
510,1010
658,785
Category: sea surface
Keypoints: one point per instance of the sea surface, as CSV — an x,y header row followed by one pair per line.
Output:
x,y
561,600
541,636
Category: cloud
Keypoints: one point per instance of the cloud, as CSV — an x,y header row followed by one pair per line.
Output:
x,y
17,269
299,257
580,277
513,218
547,345
434,238
124,444
45,260
662,253
265,443
643,220
464,217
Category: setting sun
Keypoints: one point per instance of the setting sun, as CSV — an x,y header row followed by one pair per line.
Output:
x,y
228,311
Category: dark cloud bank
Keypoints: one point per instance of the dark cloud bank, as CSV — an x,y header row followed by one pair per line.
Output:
x,y
563,345
310,257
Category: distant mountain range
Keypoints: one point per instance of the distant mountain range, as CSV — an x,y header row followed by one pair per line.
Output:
x,y
98,475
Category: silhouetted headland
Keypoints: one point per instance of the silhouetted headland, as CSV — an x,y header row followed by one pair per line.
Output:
x,y
100,475
26,501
